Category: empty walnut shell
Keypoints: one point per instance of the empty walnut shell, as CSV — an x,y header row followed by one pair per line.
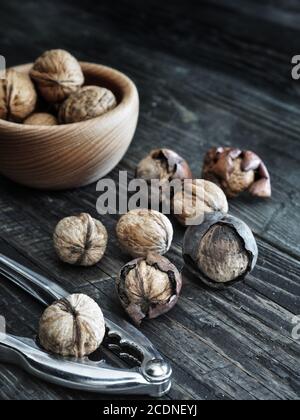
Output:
x,y
17,96
57,74
41,118
198,198
148,287
164,165
220,251
236,171
143,231
87,103
80,240
72,327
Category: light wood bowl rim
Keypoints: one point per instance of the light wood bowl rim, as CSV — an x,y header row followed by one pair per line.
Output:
x,y
126,85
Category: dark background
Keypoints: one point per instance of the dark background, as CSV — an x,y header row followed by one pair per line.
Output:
x,y
209,73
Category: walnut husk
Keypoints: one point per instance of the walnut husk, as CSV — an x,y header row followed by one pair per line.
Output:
x,y
80,240
41,118
148,287
143,231
237,171
164,165
197,199
87,103
18,97
57,74
220,251
72,327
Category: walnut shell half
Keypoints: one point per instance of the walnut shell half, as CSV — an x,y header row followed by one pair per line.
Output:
x,y
17,96
72,327
87,103
80,240
57,74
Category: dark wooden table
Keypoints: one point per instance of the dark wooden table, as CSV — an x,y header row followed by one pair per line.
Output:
x,y
209,73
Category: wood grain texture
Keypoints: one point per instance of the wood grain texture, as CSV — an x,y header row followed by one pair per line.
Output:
x,y
73,155
217,76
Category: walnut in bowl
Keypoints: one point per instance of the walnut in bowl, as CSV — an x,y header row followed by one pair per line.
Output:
x,y
87,103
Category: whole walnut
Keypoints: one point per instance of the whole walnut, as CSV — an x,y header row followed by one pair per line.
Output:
x,y
72,327
57,74
87,103
236,171
220,250
41,118
80,240
17,96
196,199
164,165
143,231
148,287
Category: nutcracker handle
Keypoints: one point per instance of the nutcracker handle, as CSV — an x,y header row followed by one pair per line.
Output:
x,y
38,286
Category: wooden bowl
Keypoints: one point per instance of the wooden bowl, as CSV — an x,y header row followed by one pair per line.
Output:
x,y
73,155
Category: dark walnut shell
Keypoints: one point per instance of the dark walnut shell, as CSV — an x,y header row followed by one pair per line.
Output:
x,y
148,287
80,240
57,74
18,97
220,251
237,171
164,165
72,327
87,103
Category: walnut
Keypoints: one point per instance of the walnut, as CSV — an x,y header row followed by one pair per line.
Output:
x,y
80,240
41,118
143,231
57,74
87,103
164,165
236,171
17,96
220,250
197,199
148,287
72,327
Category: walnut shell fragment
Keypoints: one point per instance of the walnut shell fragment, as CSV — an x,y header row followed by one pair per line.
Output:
x,y
220,251
80,240
57,74
18,97
143,231
87,103
148,287
41,118
72,327
236,171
